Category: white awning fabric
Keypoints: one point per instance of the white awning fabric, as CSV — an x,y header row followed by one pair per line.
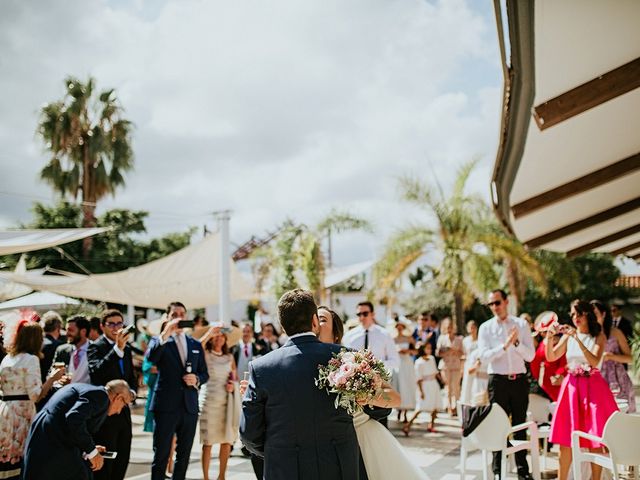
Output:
x,y
571,184
19,241
39,300
190,275
337,275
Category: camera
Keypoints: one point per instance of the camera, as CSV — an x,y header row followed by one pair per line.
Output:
x,y
186,324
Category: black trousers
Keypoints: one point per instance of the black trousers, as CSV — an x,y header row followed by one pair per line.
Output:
x,y
513,397
181,423
115,435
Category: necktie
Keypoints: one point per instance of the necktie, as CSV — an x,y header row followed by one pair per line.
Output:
x,y
76,359
246,350
121,363
181,350
366,339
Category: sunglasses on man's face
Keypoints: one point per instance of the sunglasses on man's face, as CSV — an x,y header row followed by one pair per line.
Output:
x,y
496,303
362,314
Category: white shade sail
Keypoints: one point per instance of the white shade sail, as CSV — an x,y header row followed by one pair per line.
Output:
x,y
20,241
190,275
39,300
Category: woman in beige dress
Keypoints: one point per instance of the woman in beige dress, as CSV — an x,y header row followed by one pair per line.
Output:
x,y
450,351
219,401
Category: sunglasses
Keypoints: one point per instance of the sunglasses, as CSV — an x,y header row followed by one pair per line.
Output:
x,y
497,303
363,314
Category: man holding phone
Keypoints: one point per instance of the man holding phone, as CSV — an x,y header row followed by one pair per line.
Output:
x,y
181,370
110,359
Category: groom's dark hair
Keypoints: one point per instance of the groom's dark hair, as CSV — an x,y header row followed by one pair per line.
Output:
x,y
296,309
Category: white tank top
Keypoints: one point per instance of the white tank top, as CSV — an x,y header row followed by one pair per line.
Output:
x,y
574,353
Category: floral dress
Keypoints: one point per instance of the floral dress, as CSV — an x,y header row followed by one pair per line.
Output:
x,y
614,373
19,376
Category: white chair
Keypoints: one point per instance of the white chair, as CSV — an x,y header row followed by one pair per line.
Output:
x,y
539,412
620,436
491,435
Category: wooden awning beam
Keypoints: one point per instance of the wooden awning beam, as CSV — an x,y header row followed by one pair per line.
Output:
x,y
605,240
585,223
626,249
588,95
587,182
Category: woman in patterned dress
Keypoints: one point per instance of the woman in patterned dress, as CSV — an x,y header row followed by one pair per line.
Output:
x,y
21,387
616,354
219,401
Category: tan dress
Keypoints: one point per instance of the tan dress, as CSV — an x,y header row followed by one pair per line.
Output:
x,y
219,410
450,366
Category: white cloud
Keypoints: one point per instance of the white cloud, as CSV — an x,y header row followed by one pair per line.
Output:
x,y
274,109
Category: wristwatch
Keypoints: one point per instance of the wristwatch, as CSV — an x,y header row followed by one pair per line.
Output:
x,y
516,343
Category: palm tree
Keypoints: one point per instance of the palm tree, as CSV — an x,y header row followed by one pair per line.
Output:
x,y
295,258
471,246
90,146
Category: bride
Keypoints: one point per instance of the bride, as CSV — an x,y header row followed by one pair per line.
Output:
x,y
382,454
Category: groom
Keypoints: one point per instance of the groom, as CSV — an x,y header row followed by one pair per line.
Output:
x,y
285,418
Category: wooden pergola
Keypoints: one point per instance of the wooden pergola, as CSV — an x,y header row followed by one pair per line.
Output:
x,y
567,172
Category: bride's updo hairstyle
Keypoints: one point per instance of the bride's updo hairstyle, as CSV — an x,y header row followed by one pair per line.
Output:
x,y
296,309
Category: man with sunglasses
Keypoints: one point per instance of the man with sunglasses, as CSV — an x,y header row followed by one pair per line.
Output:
x,y
505,344
373,337
110,359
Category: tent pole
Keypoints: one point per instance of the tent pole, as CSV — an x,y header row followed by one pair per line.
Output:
x,y
224,302
131,314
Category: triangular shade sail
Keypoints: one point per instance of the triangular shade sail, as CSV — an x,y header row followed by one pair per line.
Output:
x,y
190,275
39,300
19,241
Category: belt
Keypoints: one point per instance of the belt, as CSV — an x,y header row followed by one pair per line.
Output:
x,y
511,376
13,398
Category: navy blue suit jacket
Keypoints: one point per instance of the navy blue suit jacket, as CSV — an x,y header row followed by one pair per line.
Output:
x,y
291,422
62,431
170,392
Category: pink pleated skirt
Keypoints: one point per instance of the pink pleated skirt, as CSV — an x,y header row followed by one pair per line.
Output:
x,y
585,403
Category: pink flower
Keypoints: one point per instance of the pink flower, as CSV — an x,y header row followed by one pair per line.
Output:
x,y
348,357
348,369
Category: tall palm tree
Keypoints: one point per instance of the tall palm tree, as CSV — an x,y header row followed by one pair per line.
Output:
x,y
296,258
465,237
90,146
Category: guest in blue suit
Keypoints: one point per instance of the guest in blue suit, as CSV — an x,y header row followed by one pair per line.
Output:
x,y
286,418
181,370
60,444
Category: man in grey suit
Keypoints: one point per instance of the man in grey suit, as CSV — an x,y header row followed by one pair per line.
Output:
x,y
285,418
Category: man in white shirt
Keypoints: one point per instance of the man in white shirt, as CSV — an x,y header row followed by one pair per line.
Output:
x,y
373,337
505,344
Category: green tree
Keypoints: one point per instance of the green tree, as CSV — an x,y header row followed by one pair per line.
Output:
x,y
90,146
470,246
295,258
587,277
114,250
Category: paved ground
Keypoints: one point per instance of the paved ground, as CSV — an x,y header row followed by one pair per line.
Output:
x,y
436,453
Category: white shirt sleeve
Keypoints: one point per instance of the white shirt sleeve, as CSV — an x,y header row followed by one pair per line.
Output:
x,y
486,351
392,361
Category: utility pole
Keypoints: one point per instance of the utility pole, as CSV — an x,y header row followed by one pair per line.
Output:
x,y
224,299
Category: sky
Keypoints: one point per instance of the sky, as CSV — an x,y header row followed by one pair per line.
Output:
x,y
274,110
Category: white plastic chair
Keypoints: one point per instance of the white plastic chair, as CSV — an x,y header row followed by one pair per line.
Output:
x,y
539,410
491,435
620,436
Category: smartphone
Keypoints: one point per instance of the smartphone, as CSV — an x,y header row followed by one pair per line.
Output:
x,y
186,324
109,455
128,329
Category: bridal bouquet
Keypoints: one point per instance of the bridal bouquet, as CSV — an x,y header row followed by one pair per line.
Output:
x,y
354,376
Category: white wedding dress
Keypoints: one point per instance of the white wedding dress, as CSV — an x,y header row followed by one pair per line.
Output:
x,y
382,454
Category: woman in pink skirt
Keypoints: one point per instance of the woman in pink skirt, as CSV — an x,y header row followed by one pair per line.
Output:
x,y
585,402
